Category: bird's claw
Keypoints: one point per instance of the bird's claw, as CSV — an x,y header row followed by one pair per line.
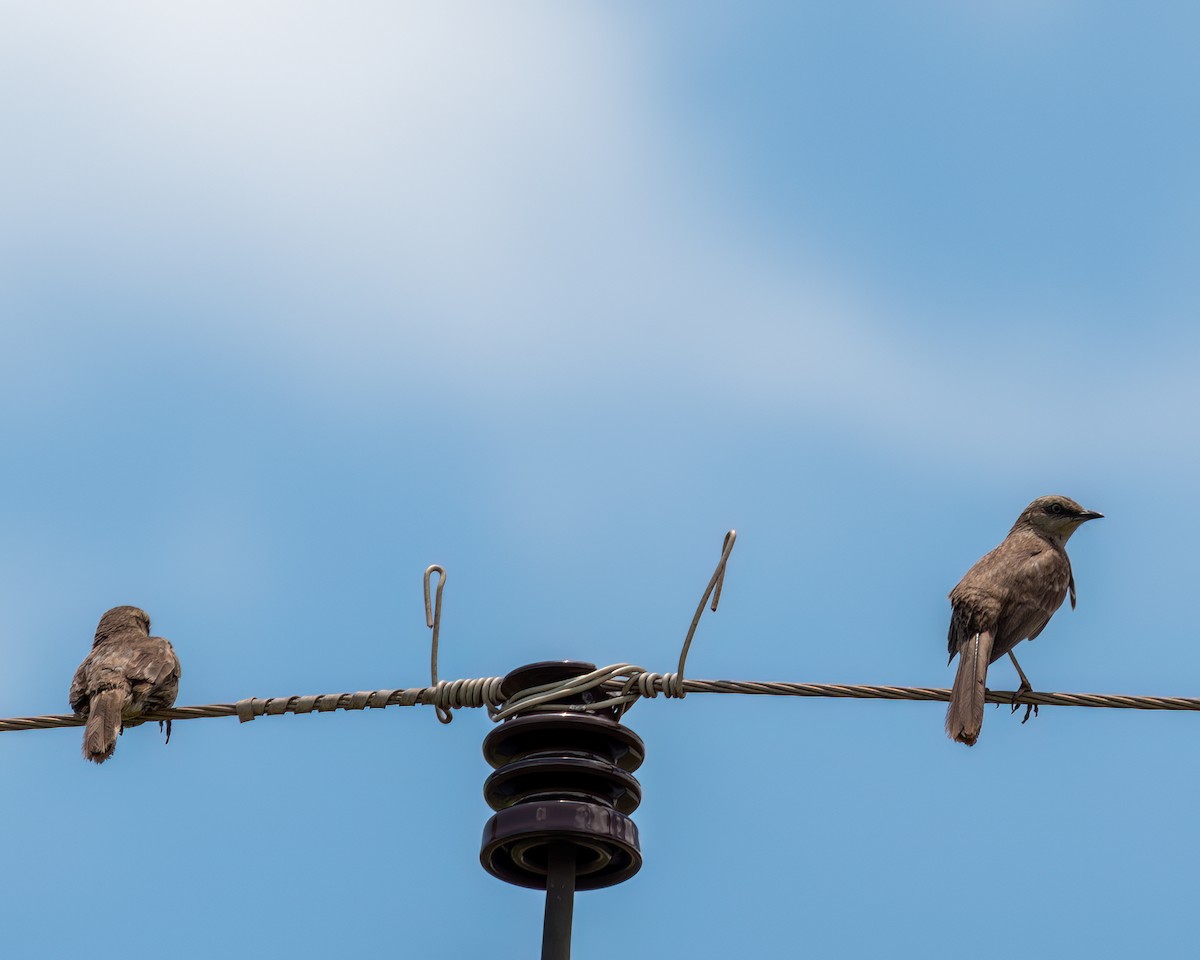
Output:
x,y
1029,707
167,725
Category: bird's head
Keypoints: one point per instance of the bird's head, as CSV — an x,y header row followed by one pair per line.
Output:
x,y
122,618
1055,517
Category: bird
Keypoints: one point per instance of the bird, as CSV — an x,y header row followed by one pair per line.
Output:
x,y
127,673
1009,595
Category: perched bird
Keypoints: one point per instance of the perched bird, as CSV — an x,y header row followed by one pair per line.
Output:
x,y
1009,596
127,674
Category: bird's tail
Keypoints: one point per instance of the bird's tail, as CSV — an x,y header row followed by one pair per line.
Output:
x,y
964,718
104,723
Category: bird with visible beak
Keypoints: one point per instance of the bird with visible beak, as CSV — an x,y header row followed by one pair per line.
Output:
x,y
1008,596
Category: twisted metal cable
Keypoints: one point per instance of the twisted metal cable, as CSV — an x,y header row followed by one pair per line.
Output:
x,y
622,684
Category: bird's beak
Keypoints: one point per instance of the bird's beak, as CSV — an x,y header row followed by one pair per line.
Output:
x,y
1090,515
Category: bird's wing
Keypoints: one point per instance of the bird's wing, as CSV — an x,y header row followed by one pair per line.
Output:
x,y
976,601
79,697
973,612
153,671
151,660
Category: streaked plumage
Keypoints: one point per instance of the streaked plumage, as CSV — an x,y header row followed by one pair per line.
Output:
x,y
127,673
1008,596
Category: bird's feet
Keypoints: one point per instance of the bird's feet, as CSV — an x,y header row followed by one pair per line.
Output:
x,y
1029,707
167,725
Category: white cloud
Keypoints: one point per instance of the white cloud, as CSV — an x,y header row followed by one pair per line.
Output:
x,y
475,196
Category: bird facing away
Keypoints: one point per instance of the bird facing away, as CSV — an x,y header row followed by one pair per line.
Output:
x,y
1009,596
128,673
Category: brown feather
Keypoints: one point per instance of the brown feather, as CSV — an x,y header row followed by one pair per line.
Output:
x,y
964,716
104,724
1009,595
126,674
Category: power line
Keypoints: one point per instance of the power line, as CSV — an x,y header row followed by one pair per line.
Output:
x,y
619,684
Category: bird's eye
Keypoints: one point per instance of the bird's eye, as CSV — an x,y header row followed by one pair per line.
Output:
x,y
1056,508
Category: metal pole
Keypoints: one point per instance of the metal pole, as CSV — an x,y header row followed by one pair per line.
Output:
x,y
560,901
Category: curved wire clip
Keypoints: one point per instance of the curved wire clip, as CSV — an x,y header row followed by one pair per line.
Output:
x,y
714,589
433,620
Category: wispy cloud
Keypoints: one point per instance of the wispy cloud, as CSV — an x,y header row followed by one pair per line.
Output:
x,y
483,200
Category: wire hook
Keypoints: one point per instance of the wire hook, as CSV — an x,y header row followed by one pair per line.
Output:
x,y
714,589
433,620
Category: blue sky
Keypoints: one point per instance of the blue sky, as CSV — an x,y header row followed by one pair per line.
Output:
x,y
297,299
